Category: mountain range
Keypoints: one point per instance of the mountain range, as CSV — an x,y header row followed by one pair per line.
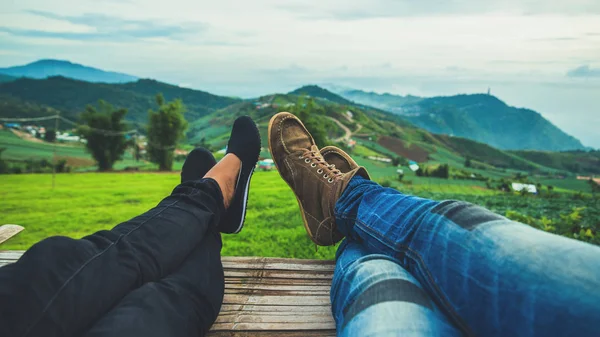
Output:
x,y
406,126
49,68
480,117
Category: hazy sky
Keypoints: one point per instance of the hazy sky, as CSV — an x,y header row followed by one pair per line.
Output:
x,y
540,54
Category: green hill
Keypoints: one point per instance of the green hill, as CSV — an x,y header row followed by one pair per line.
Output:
x,y
72,96
572,161
378,132
6,78
316,91
479,117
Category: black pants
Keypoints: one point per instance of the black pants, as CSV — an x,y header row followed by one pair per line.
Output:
x,y
158,274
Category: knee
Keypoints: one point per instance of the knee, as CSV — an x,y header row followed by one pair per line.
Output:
x,y
370,281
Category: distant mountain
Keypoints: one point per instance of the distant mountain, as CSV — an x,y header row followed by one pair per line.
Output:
x,y
6,78
48,68
72,96
480,117
316,91
388,102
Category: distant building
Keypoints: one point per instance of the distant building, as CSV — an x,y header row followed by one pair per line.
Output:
x,y
266,164
518,187
413,166
382,159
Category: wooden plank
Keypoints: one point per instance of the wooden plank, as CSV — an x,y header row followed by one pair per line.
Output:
x,y
11,254
268,297
277,274
226,308
276,300
273,326
265,286
8,231
272,318
286,264
273,333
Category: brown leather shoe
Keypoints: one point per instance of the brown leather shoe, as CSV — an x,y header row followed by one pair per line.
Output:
x,y
316,184
340,159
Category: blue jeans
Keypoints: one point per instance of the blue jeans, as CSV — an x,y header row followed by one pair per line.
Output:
x,y
418,267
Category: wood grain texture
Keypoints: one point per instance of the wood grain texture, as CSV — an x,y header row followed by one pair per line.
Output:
x,y
268,297
8,231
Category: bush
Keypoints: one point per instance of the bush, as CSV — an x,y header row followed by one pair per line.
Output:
x,y
385,183
50,136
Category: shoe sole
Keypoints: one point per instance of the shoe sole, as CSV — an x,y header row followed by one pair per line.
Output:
x,y
245,201
310,235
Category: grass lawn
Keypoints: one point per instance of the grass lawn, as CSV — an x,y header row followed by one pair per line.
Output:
x,y
83,203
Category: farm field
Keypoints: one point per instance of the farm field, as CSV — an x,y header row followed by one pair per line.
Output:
x,y
83,203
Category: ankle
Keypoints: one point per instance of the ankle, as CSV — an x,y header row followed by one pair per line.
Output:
x,y
225,173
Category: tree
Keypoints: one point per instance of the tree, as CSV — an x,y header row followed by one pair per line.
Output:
x,y
104,132
594,186
165,129
468,162
50,136
3,164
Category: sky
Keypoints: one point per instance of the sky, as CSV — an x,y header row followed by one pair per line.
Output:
x,y
539,54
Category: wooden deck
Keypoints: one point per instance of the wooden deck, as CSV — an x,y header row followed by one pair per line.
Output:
x,y
268,297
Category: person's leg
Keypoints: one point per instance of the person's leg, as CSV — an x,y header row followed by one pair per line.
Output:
x,y
183,304
60,286
495,277
372,295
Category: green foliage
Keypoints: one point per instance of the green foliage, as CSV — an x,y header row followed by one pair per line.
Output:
x,y
440,171
3,165
316,91
385,183
468,162
165,129
50,136
587,162
30,97
106,147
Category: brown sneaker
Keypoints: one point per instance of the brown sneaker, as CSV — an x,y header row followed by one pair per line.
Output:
x,y
339,159
316,184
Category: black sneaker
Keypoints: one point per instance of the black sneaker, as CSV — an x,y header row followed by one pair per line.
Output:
x,y
197,164
245,144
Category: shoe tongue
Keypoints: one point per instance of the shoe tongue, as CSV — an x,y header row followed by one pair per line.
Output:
x,y
314,148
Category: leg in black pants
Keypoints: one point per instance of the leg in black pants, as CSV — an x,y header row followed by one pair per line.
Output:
x,y
183,304
64,287
61,286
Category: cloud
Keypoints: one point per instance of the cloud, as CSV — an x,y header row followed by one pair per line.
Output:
x,y
343,10
109,28
584,71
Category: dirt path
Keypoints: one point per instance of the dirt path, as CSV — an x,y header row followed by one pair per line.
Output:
x,y
347,132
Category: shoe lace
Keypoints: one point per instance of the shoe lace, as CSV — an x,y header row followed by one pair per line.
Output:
x,y
317,161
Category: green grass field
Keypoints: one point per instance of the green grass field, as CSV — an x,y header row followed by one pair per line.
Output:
x,y
83,203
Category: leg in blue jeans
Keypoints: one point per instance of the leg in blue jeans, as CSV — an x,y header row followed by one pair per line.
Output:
x,y
372,295
490,275
62,286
